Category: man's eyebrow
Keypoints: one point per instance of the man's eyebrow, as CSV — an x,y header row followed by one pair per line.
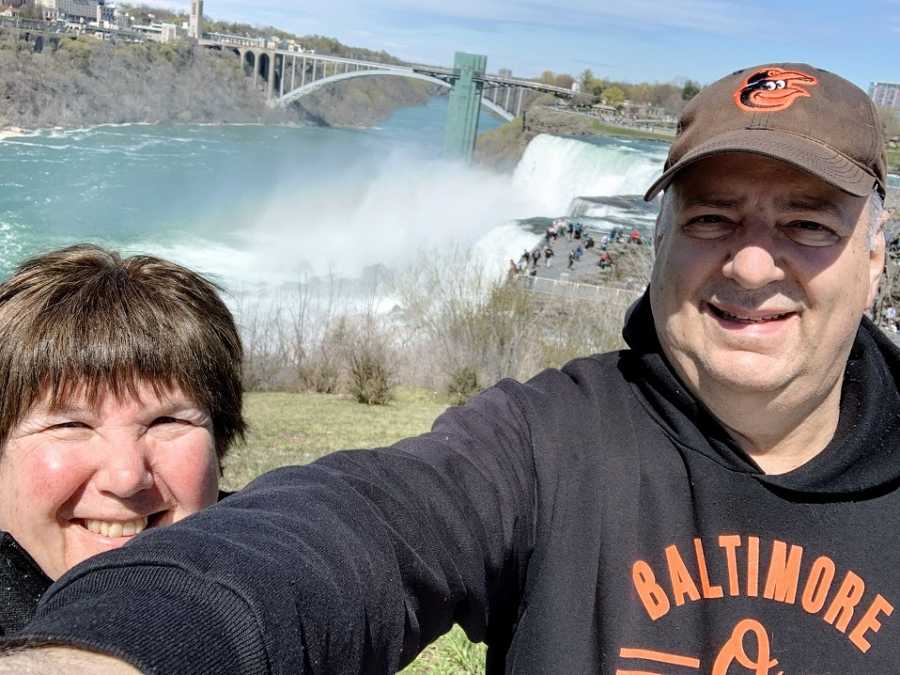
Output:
x,y
808,203
711,202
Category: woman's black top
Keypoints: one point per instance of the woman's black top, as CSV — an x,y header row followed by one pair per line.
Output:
x,y
22,583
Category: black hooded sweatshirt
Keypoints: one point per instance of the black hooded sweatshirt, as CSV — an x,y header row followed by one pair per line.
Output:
x,y
595,519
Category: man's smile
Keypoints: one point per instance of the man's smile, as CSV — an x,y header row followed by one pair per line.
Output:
x,y
736,318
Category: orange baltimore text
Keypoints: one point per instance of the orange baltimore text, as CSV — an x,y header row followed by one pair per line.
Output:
x,y
767,570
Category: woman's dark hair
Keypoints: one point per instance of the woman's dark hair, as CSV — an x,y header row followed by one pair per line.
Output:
x,y
84,321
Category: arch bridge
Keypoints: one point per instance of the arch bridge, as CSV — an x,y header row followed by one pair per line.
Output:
x,y
290,75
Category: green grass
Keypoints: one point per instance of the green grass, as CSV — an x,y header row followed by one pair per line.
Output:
x,y
298,428
453,654
623,132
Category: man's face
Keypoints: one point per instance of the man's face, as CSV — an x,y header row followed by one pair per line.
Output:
x,y
761,278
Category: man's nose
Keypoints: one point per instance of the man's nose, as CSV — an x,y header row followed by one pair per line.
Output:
x,y
124,470
754,261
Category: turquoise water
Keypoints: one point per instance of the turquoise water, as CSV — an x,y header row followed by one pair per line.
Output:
x,y
263,207
159,188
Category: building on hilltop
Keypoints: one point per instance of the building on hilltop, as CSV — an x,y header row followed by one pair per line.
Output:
x,y
169,32
77,10
886,94
157,32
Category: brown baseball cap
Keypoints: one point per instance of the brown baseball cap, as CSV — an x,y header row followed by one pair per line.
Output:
x,y
793,112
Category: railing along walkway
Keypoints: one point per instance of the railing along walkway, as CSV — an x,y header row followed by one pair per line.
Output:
x,y
575,289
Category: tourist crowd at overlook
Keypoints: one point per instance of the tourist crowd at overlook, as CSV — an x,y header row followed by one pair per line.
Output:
x,y
572,236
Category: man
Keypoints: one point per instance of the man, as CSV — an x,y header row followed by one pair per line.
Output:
x,y
719,498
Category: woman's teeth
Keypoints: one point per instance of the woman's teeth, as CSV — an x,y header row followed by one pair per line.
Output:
x,y
116,528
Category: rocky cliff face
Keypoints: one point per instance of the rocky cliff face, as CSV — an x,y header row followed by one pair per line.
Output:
x,y
87,82
361,102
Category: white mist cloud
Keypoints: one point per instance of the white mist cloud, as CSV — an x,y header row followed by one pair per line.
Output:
x,y
387,213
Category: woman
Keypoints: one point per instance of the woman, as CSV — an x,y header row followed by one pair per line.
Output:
x,y
121,394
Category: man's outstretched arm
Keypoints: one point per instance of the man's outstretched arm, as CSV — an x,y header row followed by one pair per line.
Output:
x,y
62,661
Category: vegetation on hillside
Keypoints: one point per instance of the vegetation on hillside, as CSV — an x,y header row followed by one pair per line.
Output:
x,y
668,96
141,13
453,330
362,102
890,122
502,147
893,159
87,81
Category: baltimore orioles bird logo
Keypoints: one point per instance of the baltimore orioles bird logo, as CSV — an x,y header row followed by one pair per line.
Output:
x,y
772,90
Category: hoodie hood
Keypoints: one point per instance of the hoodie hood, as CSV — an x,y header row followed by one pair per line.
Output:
x,y
861,460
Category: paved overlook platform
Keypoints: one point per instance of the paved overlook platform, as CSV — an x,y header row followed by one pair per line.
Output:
x,y
622,283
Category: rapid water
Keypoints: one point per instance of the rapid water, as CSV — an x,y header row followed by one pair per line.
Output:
x,y
256,206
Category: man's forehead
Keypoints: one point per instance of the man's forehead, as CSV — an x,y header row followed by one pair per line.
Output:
x,y
717,197
731,180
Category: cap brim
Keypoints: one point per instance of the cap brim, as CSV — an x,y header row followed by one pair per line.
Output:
x,y
804,153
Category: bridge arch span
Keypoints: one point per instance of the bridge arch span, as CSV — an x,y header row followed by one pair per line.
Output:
x,y
262,65
299,92
249,62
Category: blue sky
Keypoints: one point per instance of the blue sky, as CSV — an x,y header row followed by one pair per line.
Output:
x,y
634,40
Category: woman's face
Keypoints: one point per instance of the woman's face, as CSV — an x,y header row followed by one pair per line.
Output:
x,y
82,480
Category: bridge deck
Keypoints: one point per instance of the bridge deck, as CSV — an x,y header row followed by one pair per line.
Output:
x,y
439,72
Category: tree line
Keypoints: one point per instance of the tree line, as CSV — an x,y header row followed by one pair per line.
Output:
x,y
592,89
320,43
87,81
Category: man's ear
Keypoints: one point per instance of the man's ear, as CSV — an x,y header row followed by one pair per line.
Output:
x,y
876,264
659,233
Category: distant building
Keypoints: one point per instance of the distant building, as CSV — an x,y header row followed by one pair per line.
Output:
x,y
505,72
74,10
195,29
106,14
152,31
169,32
885,94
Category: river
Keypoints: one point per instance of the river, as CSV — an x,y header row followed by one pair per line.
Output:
x,y
257,206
